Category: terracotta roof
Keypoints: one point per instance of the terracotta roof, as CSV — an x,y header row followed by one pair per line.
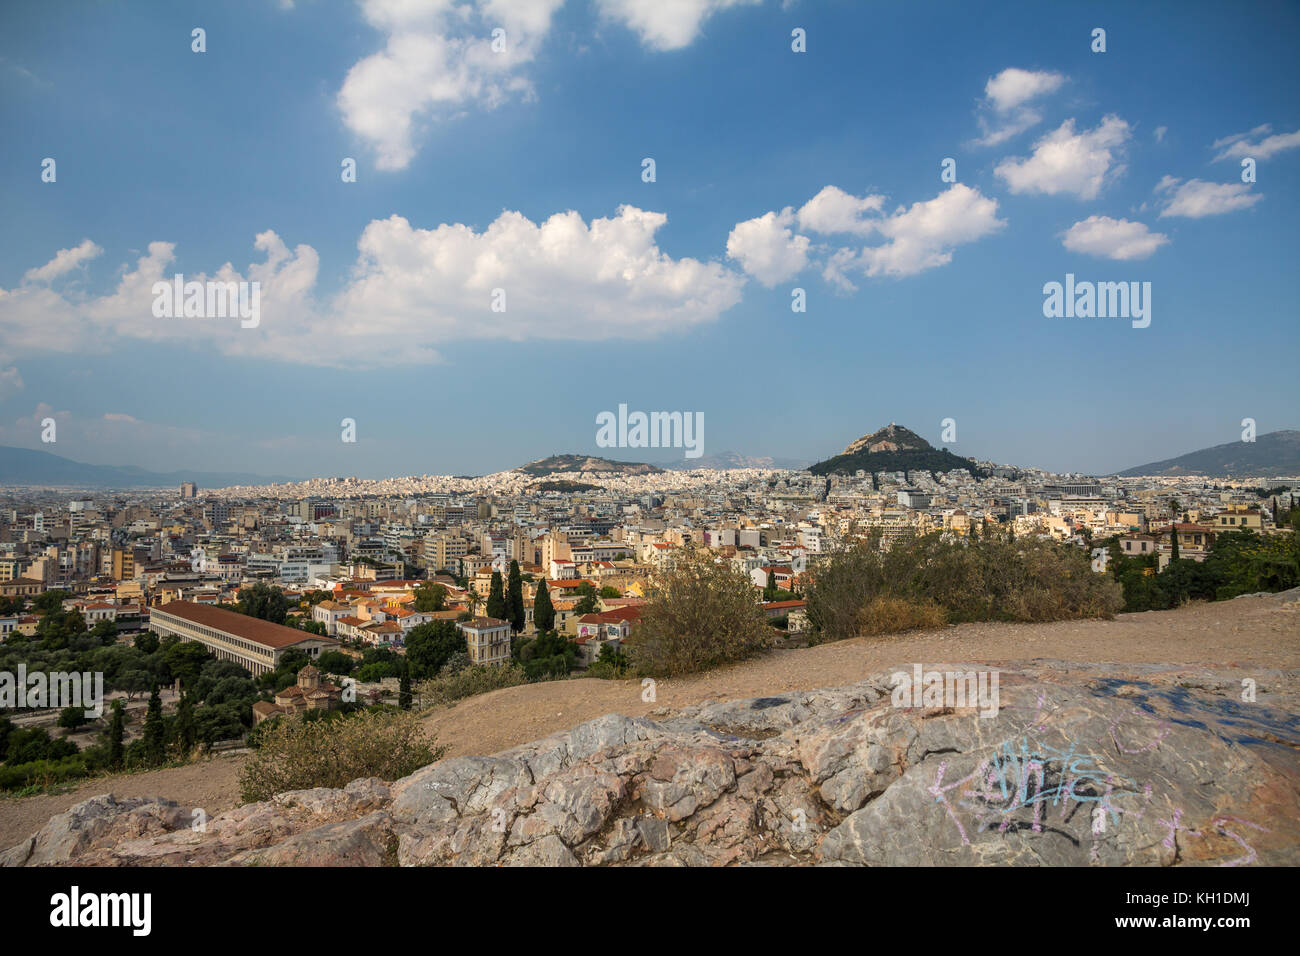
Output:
x,y
482,622
249,628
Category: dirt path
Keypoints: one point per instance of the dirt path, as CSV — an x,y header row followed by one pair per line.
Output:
x,y
1261,632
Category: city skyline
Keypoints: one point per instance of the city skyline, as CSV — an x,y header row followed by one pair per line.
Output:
x,y
523,170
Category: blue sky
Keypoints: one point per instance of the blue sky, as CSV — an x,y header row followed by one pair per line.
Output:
x,y
924,297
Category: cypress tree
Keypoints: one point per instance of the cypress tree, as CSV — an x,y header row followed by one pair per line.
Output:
x,y
404,688
496,602
116,734
155,743
1173,549
185,730
543,610
515,599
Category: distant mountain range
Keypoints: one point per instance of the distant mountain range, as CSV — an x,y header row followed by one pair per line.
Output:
x,y
558,464
729,460
26,466
892,448
1268,456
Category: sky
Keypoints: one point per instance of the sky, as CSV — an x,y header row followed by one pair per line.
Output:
x,y
506,264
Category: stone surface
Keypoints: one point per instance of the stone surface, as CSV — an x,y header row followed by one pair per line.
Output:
x,y
1082,764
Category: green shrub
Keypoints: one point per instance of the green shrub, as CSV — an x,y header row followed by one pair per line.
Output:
x,y
469,681
700,614
297,754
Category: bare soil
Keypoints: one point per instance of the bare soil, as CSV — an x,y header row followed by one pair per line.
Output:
x,y
1250,632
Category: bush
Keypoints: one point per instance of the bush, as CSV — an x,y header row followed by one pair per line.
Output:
x,y
452,685
986,579
700,615
890,615
298,755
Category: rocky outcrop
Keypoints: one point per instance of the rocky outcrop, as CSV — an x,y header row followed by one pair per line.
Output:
x,y
1076,765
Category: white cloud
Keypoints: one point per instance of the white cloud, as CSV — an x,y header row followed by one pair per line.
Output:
x,y
1196,198
920,237
1239,145
410,291
1064,161
1004,110
1159,133
1013,87
64,261
767,247
833,210
563,280
665,24
438,56
1112,238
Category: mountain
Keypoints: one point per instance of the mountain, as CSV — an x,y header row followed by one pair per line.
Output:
x,y
728,460
893,448
26,466
557,464
1268,456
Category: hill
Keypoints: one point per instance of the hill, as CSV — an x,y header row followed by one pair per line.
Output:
x,y
1118,682
559,464
26,466
893,448
1268,456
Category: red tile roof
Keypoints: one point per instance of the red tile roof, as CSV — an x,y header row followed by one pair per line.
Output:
x,y
241,625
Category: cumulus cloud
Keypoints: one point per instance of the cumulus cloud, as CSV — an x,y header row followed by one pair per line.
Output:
x,y
924,235
767,247
1196,198
1064,161
834,211
438,56
410,290
64,261
1112,238
1242,145
562,279
1005,112
665,24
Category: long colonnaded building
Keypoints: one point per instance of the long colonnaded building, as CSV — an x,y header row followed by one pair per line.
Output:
x,y
248,641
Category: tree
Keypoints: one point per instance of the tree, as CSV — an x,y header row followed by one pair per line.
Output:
x,y
515,599
185,662
430,597
1173,539
496,602
701,614
263,601
186,729
543,610
404,688
587,598
429,646
155,732
769,592
70,718
146,642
